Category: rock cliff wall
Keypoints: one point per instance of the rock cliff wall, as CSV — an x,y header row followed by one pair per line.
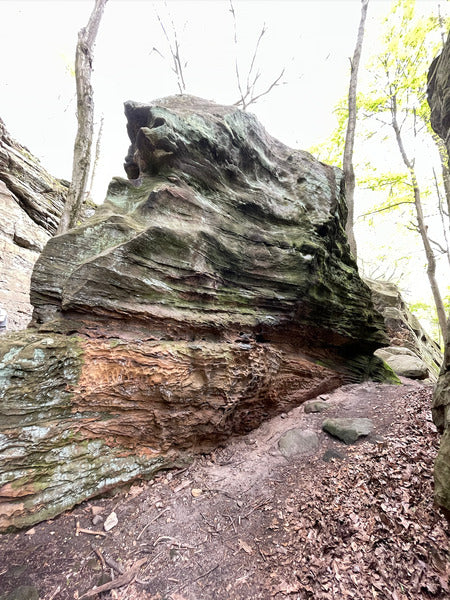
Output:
x,y
31,201
212,290
439,101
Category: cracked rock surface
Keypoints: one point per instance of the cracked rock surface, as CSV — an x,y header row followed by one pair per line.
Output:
x,y
211,291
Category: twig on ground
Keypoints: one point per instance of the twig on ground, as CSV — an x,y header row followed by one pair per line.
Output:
x,y
231,521
219,491
54,594
181,587
152,521
164,538
260,552
114,565
79,530
256,506
98,552
124,579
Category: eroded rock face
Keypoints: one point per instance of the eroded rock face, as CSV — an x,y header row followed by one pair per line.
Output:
x,y
404,330
212,290
439,101
31,203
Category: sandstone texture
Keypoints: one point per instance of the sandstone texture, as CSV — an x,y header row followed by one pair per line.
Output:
x,y
298,441
316,406
348,429
439,101
212,290
403,362
31,202
405,331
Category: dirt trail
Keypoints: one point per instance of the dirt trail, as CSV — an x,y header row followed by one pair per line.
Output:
x,y
246,523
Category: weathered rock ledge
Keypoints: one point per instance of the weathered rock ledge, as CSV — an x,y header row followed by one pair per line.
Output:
x,y
212,290
405,331
439,101
32,201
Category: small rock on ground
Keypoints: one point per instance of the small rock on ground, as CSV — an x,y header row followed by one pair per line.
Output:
x,y
348,430
316,406
298,441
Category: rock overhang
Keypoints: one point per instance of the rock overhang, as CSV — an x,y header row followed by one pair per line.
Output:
x,y
212,290
266,246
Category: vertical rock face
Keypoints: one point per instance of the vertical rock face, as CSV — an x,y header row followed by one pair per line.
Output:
x,y
439,101
31,202
212,290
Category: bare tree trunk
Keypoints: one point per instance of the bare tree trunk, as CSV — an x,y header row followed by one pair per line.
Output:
x,y
96,158
85,117
431,267
349,173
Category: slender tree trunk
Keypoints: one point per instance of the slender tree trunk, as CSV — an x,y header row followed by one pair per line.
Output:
x,y
85,117
431,266
349,173
96,158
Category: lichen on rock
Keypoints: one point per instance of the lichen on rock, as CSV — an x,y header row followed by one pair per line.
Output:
x,y
405,331
439,101
32,201
212,290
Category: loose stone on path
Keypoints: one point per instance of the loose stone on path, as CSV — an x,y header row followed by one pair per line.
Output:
x,y
316,406
348,430
298,441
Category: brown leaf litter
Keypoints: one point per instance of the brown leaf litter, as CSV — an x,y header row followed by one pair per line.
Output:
x,y
245,523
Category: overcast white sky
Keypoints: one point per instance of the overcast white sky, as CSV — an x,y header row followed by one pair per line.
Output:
x,y
312,39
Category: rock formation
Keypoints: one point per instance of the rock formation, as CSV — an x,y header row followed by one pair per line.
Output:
x,y
404,331
31,201
439,101
212,290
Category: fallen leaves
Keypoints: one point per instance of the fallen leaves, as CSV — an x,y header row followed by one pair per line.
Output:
x,y
363,528
245,547
367,528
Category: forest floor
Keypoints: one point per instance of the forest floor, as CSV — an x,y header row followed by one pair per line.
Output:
x,y
244,522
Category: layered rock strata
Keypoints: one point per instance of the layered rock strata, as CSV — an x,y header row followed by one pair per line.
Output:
x,y
212,290
31,203
439,101
405,331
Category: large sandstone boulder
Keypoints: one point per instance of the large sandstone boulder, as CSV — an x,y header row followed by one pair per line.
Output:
x,y
212,290
403,362
32,202
405,332
439,101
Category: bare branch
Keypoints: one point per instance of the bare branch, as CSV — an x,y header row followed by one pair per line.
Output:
x,y
249,96
441,249
385,208
174,49
236,63
269,89
255,54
